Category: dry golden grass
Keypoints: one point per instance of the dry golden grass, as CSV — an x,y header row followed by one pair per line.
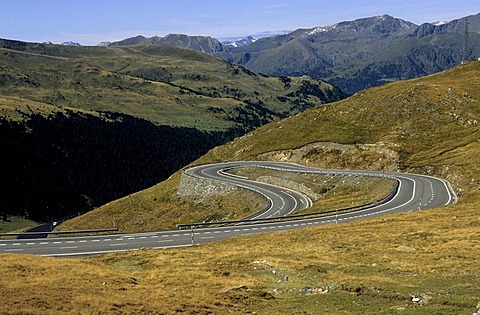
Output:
x,y
359,263
160,207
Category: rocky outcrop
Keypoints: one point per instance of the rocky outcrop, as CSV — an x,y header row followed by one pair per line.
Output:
x,y
194,186
375,157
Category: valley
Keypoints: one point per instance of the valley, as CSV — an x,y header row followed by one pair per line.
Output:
x,y
87,125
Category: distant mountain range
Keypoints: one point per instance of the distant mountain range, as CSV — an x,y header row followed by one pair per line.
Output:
x,y
353,55
359,54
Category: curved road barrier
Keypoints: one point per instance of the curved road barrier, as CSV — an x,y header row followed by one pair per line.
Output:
x,y
414,192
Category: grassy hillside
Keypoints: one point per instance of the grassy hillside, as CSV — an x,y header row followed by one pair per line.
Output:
x,y
166,85
428,125
59,162
414,263
120,109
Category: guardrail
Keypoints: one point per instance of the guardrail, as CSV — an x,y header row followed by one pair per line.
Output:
x,y
382,200
61,232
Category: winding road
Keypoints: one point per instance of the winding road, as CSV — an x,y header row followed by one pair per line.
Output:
x,y
414,192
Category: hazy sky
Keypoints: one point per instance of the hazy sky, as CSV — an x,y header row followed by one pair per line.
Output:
x,y
92,21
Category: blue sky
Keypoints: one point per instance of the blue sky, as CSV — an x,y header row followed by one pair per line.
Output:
x,y
92,21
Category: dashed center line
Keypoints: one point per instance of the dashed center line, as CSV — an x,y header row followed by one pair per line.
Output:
x,y
68,247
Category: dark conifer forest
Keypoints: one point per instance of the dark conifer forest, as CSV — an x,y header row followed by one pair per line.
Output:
x,y
70,163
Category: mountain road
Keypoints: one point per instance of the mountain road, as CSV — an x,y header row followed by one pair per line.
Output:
x,y
414,192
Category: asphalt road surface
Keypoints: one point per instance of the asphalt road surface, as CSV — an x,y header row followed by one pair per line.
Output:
x,y
415,192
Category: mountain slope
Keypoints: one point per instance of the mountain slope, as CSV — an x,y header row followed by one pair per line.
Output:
x,y
204,44
335,44
377,49
59,162
164,84
87,125
429,125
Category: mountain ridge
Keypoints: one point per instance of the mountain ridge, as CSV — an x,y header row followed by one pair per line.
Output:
x,y
379,49
205,44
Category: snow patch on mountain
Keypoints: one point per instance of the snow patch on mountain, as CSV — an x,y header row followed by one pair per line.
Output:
x,y
70,43
240,41
322,29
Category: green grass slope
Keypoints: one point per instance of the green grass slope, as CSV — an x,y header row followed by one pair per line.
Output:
x,y
166,85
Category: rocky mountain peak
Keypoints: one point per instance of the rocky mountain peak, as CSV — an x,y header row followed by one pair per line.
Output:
x,y
377,25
